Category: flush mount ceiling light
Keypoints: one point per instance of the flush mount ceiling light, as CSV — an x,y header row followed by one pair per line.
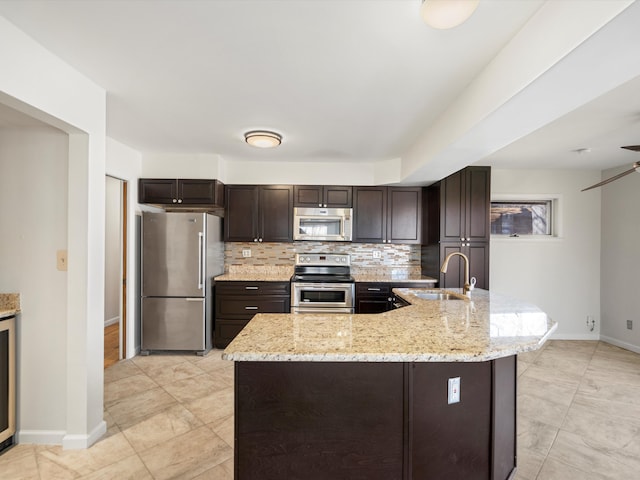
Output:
x,y
443,14
263,138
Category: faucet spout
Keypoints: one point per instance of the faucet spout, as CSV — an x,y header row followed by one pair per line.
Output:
x,y
468,286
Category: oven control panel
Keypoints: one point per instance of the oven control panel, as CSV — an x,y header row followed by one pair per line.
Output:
x,y
329,259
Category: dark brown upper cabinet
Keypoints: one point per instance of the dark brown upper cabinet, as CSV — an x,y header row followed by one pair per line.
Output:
x,y
259,213
322,196
181,192
387,214
457,219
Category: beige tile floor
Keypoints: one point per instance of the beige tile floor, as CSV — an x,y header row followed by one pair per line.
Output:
x,y
171,417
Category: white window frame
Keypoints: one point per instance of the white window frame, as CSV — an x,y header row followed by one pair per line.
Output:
x,y
556,214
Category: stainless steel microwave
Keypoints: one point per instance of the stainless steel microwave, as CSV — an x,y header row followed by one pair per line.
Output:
x,y
323,224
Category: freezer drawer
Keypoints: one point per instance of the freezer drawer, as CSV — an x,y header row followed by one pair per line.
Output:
x,y
173,324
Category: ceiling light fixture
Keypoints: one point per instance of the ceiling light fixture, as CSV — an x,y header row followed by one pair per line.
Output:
x,y
443,14
263,138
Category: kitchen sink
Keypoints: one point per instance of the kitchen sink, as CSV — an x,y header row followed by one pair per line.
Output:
x,y
437,296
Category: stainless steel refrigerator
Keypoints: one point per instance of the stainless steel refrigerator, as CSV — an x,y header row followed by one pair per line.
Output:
x,y
181,253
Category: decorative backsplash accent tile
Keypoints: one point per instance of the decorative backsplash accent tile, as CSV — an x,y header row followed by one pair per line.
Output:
x,y
395,256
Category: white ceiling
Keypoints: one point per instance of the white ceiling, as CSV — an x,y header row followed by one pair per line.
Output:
x,y
342,80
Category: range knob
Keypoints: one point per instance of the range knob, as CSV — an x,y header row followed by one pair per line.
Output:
x,y
308,259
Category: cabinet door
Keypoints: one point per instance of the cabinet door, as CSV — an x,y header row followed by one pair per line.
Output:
x,y
200,192
370,214
307,196
478,255
404,215
452,204
157,190
337,197
477,204
241,213
276,213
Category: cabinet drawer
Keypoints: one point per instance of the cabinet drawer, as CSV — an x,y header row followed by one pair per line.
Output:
x,y
245,307
253,288
373,289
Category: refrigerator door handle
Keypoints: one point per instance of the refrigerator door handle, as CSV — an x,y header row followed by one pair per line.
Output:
x,y
200,259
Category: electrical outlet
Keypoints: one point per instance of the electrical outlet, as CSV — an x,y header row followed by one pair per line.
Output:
x,y
591,323
454,390
377,254
246,252
61,260
630,324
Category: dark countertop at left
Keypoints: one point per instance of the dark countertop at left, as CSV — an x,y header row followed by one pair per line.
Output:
x,y
9,304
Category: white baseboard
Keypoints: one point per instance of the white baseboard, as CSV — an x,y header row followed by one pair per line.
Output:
x,y
76,442
112,321
575,336
60,437
40,437
618,343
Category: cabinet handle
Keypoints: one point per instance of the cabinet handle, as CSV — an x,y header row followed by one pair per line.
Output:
x,y
251,288
373,289
250,308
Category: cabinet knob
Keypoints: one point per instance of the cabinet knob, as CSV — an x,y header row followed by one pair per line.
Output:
x,y
255,239
319,204
179,200
468,239
325,205
175,200
260,240
462,239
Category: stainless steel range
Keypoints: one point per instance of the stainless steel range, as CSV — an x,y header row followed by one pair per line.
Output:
x,y
322,283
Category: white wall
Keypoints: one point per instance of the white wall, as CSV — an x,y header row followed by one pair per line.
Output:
x,y
269,171
621,260
37,83
112,251
33,208
126,164
561,275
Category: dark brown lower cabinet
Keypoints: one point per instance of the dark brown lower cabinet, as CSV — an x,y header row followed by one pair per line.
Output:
x,y
324,420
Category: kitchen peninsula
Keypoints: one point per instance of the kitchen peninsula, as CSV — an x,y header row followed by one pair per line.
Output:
x,y
374,396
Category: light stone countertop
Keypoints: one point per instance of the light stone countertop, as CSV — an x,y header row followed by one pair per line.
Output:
x,y
485,327
394,278
9,304
265,273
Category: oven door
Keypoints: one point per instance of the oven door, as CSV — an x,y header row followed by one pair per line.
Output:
x,y
314,296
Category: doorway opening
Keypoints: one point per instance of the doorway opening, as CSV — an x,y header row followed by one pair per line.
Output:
x,y
115,296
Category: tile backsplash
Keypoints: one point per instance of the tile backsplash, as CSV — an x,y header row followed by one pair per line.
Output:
x,y
396,256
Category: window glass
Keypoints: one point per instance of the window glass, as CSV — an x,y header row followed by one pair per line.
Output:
x,y
521,218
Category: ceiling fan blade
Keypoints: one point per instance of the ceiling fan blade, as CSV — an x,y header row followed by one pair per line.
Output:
x,y
635,148
608,180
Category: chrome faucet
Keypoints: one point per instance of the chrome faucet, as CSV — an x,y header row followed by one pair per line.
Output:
x,y
468,285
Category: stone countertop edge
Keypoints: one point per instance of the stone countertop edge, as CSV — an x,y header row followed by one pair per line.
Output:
x,y
485,327
9,304
278,277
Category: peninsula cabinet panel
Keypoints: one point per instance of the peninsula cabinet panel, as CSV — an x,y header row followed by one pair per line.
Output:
x,y
322,196
375,420
319,421
259,213
451,441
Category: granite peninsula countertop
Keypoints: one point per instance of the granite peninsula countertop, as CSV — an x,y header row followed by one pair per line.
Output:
x,y
485,327
9,304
